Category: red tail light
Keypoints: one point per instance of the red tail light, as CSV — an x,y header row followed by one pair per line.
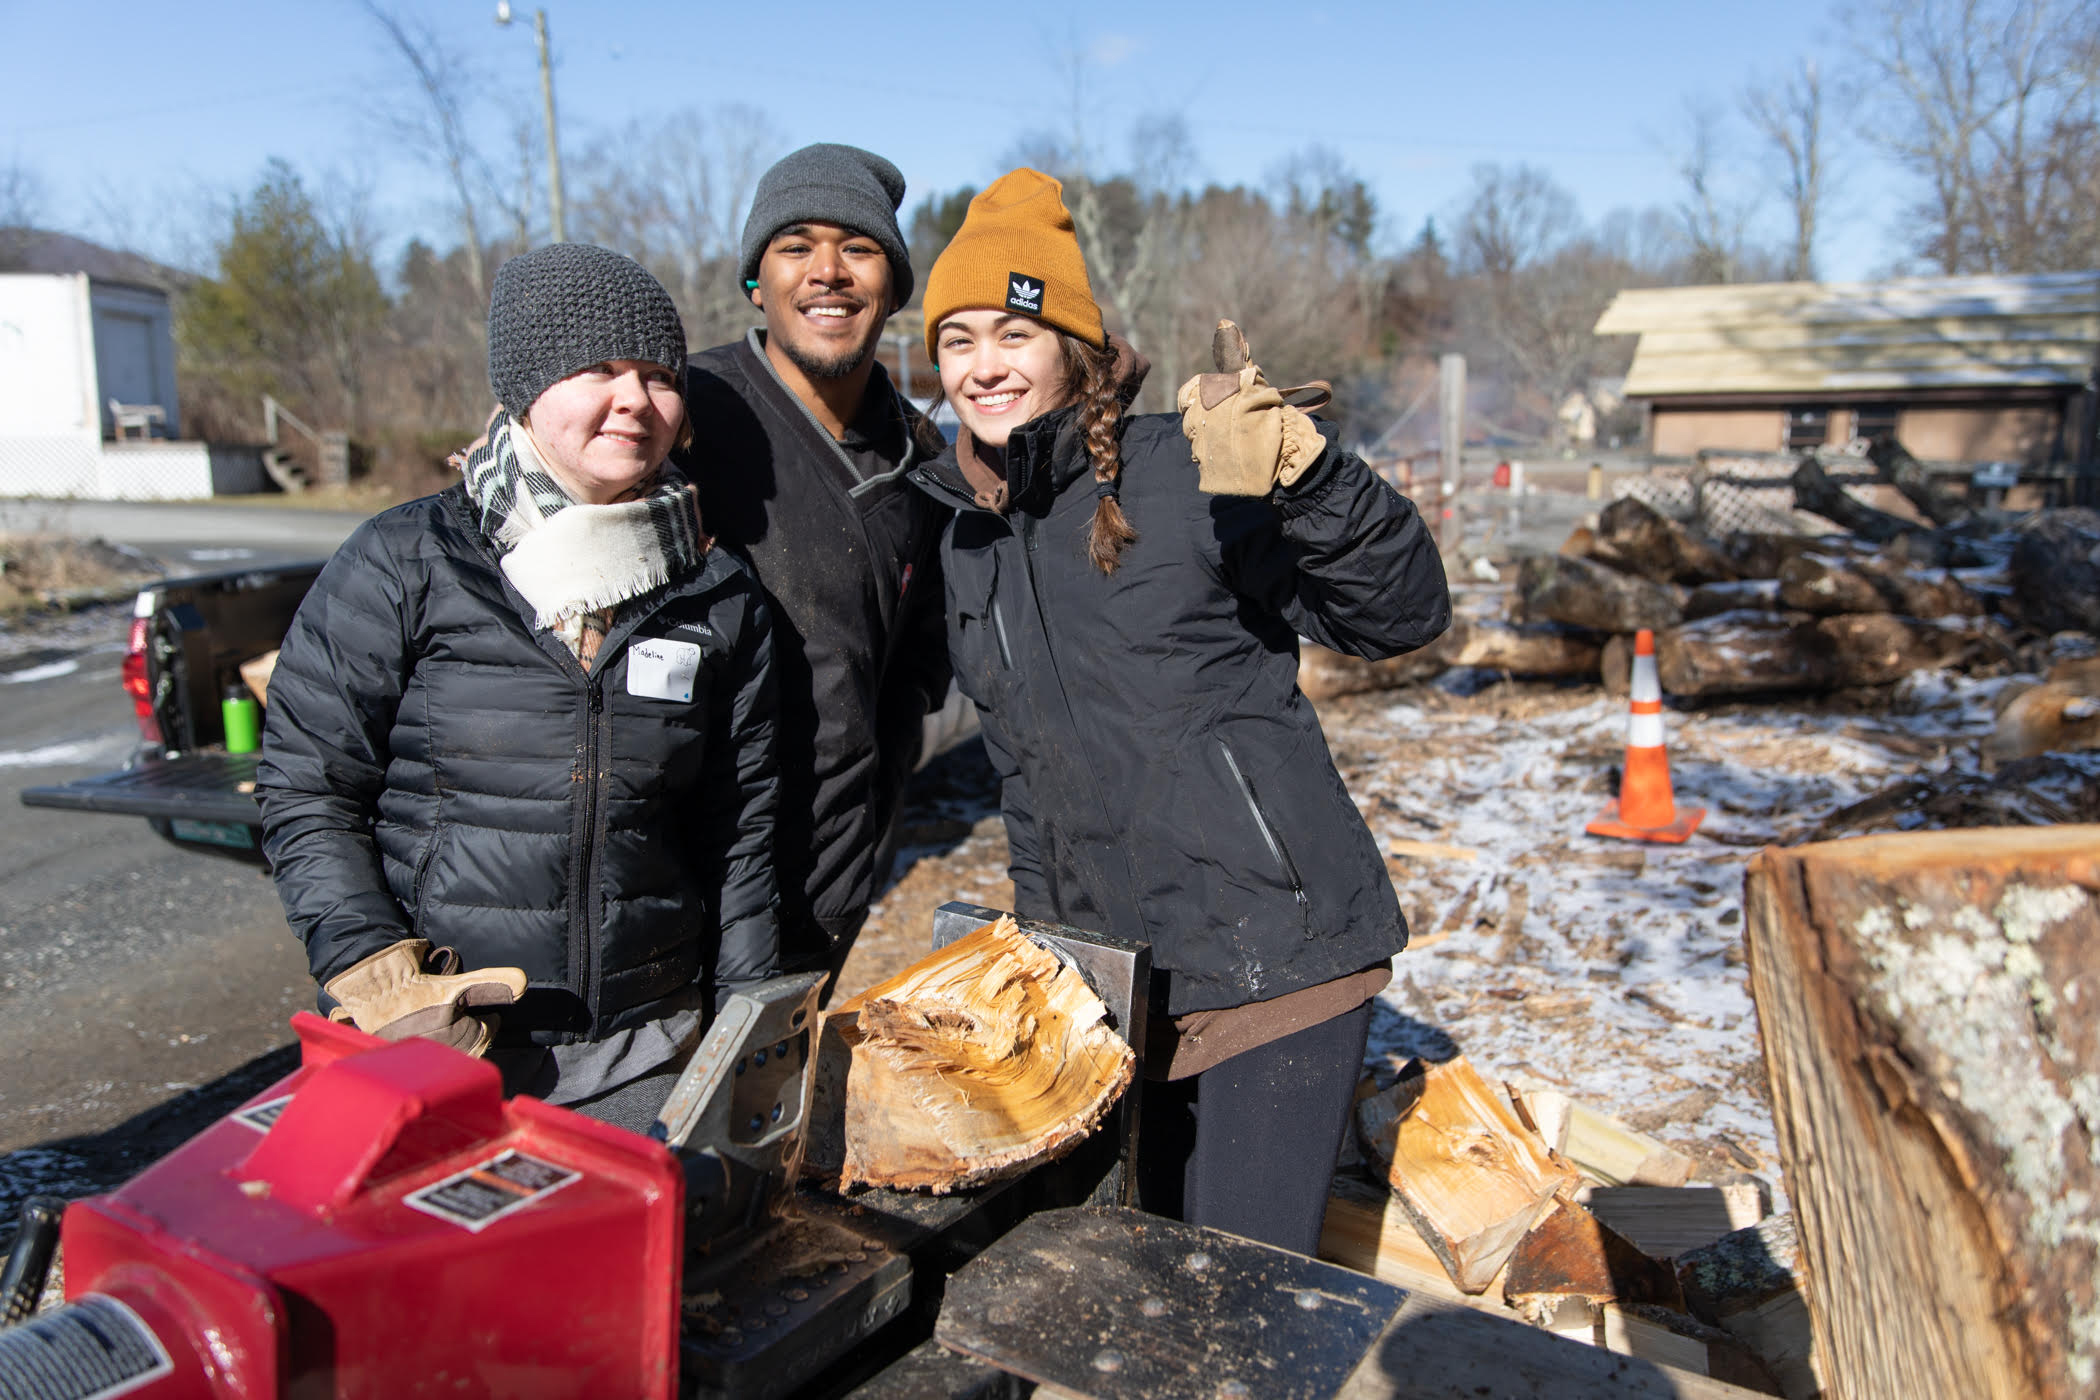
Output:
x,y
136,683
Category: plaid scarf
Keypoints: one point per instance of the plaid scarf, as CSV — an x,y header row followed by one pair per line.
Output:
x,y
576,563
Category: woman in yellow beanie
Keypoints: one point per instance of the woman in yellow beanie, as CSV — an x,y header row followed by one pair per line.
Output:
x,y
1124,610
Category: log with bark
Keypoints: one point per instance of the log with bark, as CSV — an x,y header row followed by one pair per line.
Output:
x,y
1461,1163
1934,496
1931,1030
1882,648
2056,571
1325,674
972,1065
1751,594
1819,583
1634,537
2046,790
1571,1254
1750,653
1749,1283
1585,593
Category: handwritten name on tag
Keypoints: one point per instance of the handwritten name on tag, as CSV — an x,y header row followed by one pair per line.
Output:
x,y
660,669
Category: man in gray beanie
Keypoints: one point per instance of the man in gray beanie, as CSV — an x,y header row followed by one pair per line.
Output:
x,y
803,447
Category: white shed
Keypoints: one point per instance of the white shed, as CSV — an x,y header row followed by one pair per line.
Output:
x,y
88,404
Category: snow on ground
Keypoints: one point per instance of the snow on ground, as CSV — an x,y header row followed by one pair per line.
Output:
x,y
1611,969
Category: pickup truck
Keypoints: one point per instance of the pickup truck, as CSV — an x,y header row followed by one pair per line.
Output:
x,y
189,638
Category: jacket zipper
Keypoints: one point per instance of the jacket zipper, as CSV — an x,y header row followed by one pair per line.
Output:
x,y
415,889
1261,824
586,971
1006,651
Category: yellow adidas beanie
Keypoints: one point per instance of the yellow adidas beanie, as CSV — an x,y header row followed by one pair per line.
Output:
x,y
1015,251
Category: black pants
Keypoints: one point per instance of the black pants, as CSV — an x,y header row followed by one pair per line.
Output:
x,y
1249,1145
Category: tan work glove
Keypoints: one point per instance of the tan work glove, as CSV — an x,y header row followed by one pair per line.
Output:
x,y
410,989
1246,439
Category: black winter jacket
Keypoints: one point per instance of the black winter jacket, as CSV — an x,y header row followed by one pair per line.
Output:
x,y
434,766
860,657
1163,778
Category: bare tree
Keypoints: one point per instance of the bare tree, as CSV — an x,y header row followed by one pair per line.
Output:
x,y
1715,222
21,205
1990,104
1790,117
439,133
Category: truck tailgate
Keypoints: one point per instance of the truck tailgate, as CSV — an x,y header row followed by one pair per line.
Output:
x,y
215,788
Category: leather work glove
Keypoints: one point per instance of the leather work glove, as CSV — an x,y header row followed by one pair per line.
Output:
x,y
410,989
1247,437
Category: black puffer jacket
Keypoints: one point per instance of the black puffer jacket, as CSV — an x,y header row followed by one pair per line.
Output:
x,y
434,766
1164,780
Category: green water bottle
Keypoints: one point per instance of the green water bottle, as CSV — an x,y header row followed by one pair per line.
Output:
x,y
243,719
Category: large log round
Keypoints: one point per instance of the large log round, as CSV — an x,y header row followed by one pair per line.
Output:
x,y
1930,1018
1584,593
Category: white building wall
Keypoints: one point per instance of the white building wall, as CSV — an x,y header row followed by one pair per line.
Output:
x,y
47,358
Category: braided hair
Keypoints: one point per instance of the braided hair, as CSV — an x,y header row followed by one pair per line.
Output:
x,y
1090,371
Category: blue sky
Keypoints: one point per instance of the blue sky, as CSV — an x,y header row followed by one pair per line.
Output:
x,y
128,112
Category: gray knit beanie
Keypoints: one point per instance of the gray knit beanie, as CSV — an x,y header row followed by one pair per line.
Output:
x,y
560,309
829,184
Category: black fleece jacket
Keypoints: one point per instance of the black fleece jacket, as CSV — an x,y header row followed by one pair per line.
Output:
x,y
436,766
850,564
1163,778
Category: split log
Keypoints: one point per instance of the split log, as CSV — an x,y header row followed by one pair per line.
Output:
x,y
1749,1283
2056,571
974,1064
1634,537
1596,1144
1818,583
1931,1033
1713,599
1674,1220
1585,593
1572,1254
256,673
1468,1172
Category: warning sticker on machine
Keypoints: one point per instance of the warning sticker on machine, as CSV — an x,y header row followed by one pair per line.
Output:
x,y
263,1116
481,1195
94,1348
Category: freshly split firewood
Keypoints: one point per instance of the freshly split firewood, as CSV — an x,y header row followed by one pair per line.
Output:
x,y
1468,1172
1596,1144
972,1065
1667,1221
1931,1029
1571,1254
1585,593
1749,1283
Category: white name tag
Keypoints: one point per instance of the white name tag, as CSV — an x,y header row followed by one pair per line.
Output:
x,y
659,669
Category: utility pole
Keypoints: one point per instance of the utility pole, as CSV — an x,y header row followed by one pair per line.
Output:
x,y
557,224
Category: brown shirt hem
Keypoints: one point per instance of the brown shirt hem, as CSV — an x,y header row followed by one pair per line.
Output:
x,y
1185,1045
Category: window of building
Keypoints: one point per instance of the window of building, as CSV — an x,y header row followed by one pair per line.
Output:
x,y
1807,427
1873,421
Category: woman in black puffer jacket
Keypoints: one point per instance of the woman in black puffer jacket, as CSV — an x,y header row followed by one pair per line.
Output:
x,y
1128,631
530,719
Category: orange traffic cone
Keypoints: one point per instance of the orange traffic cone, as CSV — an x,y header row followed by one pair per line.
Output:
x,y
1645,810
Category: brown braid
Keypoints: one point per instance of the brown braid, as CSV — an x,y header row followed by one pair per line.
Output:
x,y
1090,371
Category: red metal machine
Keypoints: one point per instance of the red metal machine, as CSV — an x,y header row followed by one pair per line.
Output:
x,y
381,1223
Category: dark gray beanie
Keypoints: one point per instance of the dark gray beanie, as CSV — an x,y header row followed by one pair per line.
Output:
x,y
565,307
829,184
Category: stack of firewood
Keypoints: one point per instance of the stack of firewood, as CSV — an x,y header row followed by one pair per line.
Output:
x,y
1516,1199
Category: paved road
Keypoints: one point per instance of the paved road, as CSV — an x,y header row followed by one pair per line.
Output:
x,y
134,976
190,537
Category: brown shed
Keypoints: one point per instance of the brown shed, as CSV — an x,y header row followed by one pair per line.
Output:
x,y
1960,369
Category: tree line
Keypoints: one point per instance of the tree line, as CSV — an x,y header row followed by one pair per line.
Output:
x,y
1986,107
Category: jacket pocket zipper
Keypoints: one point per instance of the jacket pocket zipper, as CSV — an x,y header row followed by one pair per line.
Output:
x,y
1006,651
422,875
1269,837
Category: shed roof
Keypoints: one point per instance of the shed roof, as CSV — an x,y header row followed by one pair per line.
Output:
x,y
1816,337
43,251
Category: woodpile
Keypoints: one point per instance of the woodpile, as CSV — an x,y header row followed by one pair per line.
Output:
x,y
1931,1039
1516,1199
1922,586
978,1062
